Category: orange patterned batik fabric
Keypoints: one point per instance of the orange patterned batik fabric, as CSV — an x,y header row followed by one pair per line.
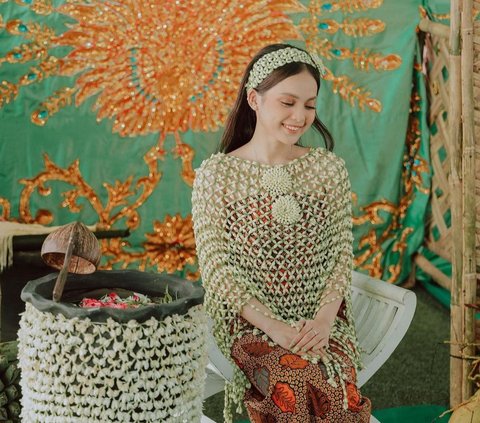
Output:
x,y
285,388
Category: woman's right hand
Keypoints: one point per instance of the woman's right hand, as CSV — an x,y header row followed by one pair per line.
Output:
x,y
282,334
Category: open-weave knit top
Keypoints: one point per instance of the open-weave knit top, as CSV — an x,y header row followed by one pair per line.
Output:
x,y
281,234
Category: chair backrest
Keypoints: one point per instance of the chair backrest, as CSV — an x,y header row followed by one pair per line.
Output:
x,y
382,314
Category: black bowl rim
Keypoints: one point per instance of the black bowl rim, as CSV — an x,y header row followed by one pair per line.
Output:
x,y
117,279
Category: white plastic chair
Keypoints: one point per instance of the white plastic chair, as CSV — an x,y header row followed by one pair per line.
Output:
x,y
382,313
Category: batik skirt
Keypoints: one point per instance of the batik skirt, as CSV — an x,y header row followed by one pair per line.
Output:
x,y
285,388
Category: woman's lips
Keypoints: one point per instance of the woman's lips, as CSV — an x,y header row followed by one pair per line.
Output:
x,y
292,128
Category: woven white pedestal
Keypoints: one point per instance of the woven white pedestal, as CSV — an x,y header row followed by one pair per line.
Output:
x,y
78,371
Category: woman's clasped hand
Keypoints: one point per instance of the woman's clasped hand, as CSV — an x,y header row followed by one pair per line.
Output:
x,y
312,337
307,337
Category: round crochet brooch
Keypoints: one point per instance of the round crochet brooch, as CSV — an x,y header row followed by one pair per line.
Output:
x,y
286,210
277,181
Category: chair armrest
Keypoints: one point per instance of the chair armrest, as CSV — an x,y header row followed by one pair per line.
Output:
x,y
383,289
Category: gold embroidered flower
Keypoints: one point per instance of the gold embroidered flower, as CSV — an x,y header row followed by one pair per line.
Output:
x,y
286,210
172,245
277,181
146,77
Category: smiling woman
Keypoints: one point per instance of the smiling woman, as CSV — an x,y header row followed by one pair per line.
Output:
x,y
275,106
282,116
273,229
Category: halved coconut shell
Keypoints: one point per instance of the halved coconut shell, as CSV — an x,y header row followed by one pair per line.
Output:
x,y
85,250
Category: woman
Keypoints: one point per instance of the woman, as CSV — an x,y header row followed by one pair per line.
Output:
x,y
272,222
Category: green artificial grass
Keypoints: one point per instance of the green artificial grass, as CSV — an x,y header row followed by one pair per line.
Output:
x,y
416,374
418,370
415,414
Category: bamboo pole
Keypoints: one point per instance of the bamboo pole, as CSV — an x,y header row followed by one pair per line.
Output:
x,y
434,28
456,326
438,276
441,250
469,281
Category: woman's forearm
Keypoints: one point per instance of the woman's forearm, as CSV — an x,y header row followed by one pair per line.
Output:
x,y
328,311
258,315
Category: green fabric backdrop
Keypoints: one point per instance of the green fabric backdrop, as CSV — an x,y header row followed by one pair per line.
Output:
x,y
386,150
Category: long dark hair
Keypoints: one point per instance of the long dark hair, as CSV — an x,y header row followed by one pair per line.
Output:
x,y
241,121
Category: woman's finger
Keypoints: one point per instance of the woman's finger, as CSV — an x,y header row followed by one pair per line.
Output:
x,y
303,332
316,351
319,348
300,324
305,329
312,343
295,341
308,346
304,341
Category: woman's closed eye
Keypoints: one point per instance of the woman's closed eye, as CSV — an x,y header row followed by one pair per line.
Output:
x,y
286,104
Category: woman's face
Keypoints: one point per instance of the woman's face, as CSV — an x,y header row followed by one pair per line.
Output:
x,y
286,110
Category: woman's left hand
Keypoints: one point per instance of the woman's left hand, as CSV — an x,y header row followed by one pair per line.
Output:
x,y
312,338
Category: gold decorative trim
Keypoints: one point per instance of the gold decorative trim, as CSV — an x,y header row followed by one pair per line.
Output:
x,y
316,27
40,7
345,6
371,245
168,249
52,105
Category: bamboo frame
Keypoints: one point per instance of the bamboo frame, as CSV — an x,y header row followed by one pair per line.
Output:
x,y
438,29
456,325
463,207
438,228
443,280
468,197
460,146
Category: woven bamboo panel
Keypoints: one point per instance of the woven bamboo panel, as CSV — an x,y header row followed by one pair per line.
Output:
x,y
476,94
438,235
438,227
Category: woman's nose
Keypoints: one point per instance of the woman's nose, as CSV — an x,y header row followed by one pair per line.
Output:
x,y
298,115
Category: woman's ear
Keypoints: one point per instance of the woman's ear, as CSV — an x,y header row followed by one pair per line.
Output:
x,y
252,97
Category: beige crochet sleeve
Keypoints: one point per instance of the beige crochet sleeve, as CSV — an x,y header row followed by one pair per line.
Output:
x,y
341,239
225,286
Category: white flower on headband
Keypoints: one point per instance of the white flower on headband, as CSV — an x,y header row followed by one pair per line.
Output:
x,y
319,64
271,61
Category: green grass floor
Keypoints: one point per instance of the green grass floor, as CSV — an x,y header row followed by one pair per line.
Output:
x,y
417,372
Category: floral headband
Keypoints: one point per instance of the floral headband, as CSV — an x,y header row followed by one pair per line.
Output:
x,y
271,61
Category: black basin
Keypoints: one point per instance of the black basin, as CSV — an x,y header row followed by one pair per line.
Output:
x,y
185,294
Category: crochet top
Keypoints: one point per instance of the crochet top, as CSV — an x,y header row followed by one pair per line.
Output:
x,y
281,234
